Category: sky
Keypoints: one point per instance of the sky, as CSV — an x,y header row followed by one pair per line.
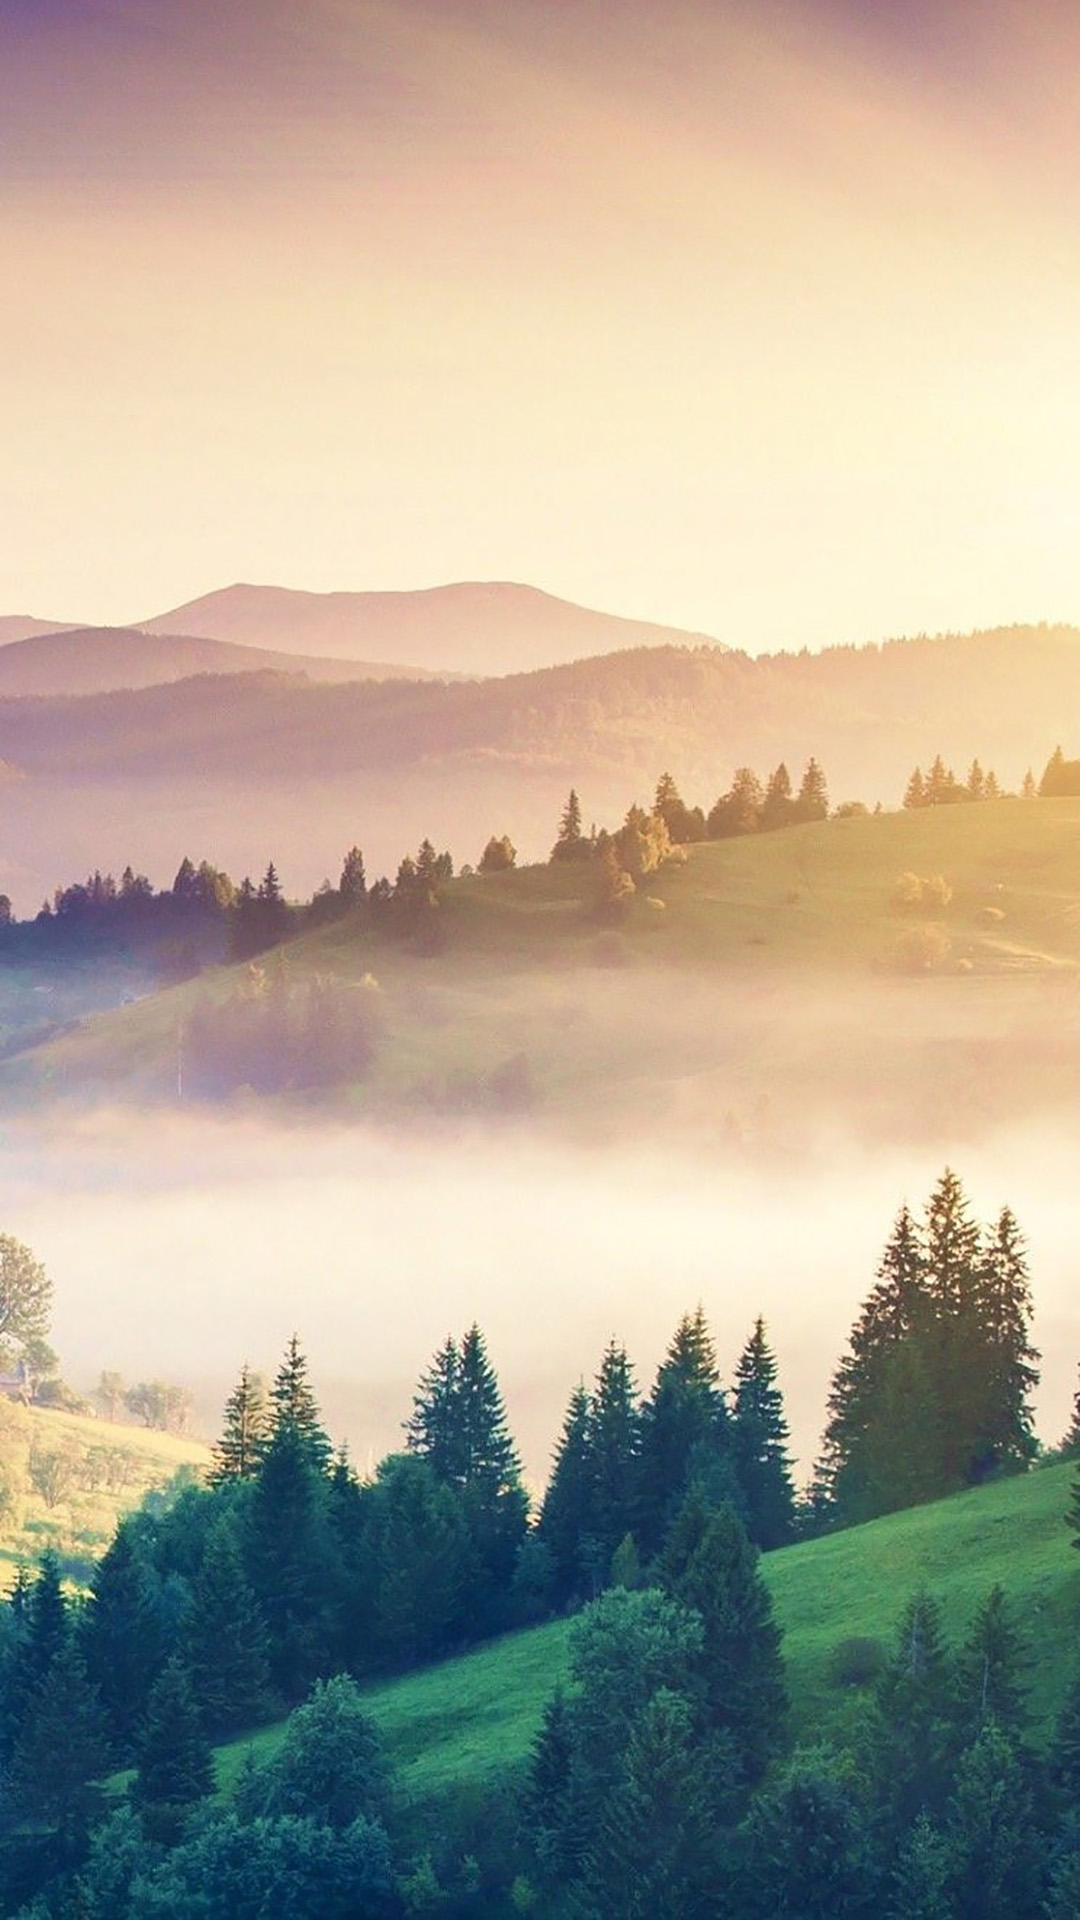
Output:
x,y
755,318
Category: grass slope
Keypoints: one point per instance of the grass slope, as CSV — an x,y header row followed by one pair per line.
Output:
x,y
472,1719
757,931
104,1471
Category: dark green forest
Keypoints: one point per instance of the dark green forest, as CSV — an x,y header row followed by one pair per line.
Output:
x,y
664,1775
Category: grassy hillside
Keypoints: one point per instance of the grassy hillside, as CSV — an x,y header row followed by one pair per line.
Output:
x,y
471,1719
779,943
65,1479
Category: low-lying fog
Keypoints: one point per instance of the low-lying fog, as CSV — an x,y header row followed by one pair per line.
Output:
x,y
181,1246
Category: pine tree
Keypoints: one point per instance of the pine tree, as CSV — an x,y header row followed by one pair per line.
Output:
x,y
495,1502
570,844
1006,1438
954,1264
1028,789
711,1566
246,1421
992,1833
989,1670
976,782
176,1768
813,800
1065,1749
225,1640
124,1634
920,1881
1054,780
616,1443
915,791
353,883
568,1514
685,1433
285,1554
761,1440
896,1308
915,1703
1071,1443
655,1848
433,1429
807,1850
62,1749
778,808
293,1405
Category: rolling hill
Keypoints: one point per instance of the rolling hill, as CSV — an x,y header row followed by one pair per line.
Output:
x,y
472,627
473,1720
18,626
254,765
757,991
86,660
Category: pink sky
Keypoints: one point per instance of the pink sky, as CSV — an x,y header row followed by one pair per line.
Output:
x,y
740,317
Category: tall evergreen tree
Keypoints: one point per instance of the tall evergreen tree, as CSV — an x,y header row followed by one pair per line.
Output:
x,y
989,1670
920,1881
616,1450
433,1428
246,1420
293,1405
225,1640
1007,1438
778,808
1071,1443
568,1515
62,1749
915,1698
124,1633
176,1768
569,843
353,884
655,1847
813,798
997,1870
761,1442
285,1554
955,1276
711,1566
807,1848
685,1433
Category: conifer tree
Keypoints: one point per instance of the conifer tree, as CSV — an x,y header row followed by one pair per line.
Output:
x,y
992,1833
915,791
225,1640
711,1566
1065,1749
761,1440
176,1767
568,1514
808,1854
433,1428
1071,1443
989,1670
1006,1438
813,798
62,1750
124,1634
570,844
954,1266
685,1433
920,1880
616,1444
915,1704
293,1405
353,884
246,1421
46,1622
778,808
655,1846
285,1554
559,1834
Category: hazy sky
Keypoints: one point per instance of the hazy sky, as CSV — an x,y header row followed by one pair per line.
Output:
x,y
756,318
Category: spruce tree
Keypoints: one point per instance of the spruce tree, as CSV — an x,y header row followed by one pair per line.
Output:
x,y
778,808
1064,1759
568,1514
992,1833
285,1555
616,1444
293,1406
246,1421
569,843
353,885
989,1670
62,1750
225,1640
1006,1439
813,798
915,1697
176,1768
711,1566
685,1433
1070,1445
496,1504
433,1428
806,1847
921,1876
655,1847
761,1442
915,791
45,1635
954,1277
124,1633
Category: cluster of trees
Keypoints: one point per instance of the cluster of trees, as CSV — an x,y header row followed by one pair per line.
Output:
x,y
1060,778
934,1392
941,788
624,1464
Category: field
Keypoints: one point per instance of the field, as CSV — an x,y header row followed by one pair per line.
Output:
x,y
68,1478
473,1719
741,966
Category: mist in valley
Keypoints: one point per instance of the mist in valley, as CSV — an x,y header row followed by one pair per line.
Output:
x,y
182,1244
